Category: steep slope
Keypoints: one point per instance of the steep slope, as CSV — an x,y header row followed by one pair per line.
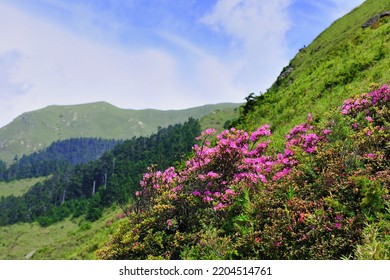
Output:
x,y
344,60
35,130
324,192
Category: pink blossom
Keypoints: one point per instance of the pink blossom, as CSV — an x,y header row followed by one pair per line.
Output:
x,y
229,191
309,118
261,131
169,223
207,192
310,150
196,193
370,155
369,119
219,206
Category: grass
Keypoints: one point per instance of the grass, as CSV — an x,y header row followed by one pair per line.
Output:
x,y
219,118
343,61
19,187
66,240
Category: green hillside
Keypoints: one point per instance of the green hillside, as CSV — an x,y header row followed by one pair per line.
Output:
x,y
19,187
35,130
302,174
344,60
68,239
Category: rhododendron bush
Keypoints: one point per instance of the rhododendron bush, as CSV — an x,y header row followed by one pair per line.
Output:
x,y
236,199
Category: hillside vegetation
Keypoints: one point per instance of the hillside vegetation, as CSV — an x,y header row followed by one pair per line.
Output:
x,y
343,61
36,130
58,157
87,189
304,175
72,238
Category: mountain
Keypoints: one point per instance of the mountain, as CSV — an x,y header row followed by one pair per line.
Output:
x,y
36,130
345,60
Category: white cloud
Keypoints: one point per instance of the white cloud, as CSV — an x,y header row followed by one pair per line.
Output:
x,y
257,30
51,63
10,84
64,68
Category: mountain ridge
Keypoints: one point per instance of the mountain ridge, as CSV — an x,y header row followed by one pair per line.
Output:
x,y
35,130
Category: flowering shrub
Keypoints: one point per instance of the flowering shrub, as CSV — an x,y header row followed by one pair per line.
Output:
x,y
310,201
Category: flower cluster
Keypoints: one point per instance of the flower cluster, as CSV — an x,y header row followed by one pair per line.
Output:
x,y
235,199
237,159
303,136
375,98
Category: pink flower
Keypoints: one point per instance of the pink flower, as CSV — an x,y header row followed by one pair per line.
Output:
x,y
207,199
326,131
213,174
261,131
229,191
370,155
309,118
369,119
196,193
169,223
207,192
219,206
310,150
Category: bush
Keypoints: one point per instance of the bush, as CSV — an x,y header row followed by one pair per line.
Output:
x,y
233,199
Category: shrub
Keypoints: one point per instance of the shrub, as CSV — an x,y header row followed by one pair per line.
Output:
x,y
234,199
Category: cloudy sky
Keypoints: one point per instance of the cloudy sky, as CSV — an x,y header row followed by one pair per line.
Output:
x,y
163,54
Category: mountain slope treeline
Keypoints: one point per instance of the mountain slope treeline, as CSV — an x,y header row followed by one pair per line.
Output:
x,y
56,158
88,188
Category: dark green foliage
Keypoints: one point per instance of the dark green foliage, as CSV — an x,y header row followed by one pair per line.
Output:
x,y
59,156
115,175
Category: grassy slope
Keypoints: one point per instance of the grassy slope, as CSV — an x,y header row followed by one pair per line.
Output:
x,y
36,130
69,239
18,188
343,61
218,118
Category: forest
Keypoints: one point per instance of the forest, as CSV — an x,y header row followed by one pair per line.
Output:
x,y
86,188
59,156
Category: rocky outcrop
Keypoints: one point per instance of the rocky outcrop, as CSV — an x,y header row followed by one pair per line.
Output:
x,y
375,18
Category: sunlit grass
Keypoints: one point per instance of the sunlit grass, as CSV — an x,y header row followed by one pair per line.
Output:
x,y
18,187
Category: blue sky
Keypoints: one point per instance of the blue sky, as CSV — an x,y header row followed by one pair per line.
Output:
x,y
163,54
